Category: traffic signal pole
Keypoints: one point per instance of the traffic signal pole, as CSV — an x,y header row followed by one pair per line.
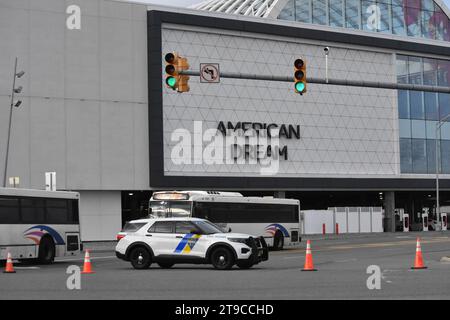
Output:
x,y
336,82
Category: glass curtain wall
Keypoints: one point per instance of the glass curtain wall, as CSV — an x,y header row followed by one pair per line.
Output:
x,y
414,18
419,113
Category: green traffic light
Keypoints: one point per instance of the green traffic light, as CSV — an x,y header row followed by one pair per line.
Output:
x,y
171,81
300,86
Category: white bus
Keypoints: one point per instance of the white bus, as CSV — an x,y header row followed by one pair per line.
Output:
x,y
37,224
277,220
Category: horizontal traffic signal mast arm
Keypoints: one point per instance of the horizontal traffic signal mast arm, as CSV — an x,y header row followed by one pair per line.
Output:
x,y
336,82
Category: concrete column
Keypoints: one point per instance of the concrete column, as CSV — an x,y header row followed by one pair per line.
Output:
x,y
389,211
279,194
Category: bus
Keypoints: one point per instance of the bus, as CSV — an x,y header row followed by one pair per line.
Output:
x,y
277,220
38,224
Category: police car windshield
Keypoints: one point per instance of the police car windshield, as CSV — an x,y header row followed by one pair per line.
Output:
x,y
207,227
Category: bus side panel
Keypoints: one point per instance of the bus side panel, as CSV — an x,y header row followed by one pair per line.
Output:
x,y
267,230
22,240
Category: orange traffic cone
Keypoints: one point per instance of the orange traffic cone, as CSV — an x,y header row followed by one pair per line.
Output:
x,y
418,263
9,264
87,268
309,266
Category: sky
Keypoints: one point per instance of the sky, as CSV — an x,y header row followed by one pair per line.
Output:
x,y
186,3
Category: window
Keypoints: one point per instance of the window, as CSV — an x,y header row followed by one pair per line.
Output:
x,y
405,155
418,129
246,212
161,227
405,128
132,227
9,210
412,18
57,211
416,105
428,17
398,18
419,156
370,15
445,156
32,210
335,13
403,104
385,23
319,12
444,104
431,156
185,227
302,10
402,69
288,13
352,15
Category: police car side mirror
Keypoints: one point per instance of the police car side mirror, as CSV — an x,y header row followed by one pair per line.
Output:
x,y
229,230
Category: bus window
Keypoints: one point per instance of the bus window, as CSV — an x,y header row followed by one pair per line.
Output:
x,y
57,212
32,210
246,212
9,210
166,209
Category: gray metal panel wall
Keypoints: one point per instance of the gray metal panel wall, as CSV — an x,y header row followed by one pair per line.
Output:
x,y
85,106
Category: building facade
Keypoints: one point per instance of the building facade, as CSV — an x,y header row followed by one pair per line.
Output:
x,y
97,112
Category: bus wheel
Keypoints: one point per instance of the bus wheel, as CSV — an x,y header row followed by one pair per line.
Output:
x,y
278,241
140,258
47,251
222,258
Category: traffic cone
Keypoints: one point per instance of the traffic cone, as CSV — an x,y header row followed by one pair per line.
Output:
x,y
309,266
9,264
418,263
87,267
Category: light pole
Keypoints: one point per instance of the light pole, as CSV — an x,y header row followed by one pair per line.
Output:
x,y
438,161
17,103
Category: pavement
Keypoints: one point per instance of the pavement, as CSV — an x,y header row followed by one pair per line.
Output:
x,y
342,274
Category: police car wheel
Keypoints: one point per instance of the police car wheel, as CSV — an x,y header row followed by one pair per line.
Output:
x,y
165,265
222,258
244,264
140,258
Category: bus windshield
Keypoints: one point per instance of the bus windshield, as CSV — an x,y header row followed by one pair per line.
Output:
x,y
169,209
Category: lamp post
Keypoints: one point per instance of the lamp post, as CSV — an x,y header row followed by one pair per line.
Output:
x,y
438,161
16,104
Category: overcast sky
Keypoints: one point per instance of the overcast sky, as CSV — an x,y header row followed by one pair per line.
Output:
x,y
186,3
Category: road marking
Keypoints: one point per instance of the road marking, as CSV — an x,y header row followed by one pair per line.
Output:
x,y
25,268
82,259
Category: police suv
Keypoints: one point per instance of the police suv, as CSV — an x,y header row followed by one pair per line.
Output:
x,y
168,241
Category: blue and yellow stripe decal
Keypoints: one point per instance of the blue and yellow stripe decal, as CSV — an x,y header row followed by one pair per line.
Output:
x,y
187,243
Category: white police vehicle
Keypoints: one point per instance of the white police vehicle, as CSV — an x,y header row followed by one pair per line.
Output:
x,y
168,241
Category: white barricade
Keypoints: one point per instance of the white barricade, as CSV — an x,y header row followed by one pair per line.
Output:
x,y
377,219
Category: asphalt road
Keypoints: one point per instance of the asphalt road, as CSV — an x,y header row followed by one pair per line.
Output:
x,y
341,264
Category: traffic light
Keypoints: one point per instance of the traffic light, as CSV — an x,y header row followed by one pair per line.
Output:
x,y
300,76
175,64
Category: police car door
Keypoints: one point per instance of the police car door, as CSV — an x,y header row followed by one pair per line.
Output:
x,y
161,237
189,240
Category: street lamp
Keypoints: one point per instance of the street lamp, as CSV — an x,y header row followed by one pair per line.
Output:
x,y
16,104
439,124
